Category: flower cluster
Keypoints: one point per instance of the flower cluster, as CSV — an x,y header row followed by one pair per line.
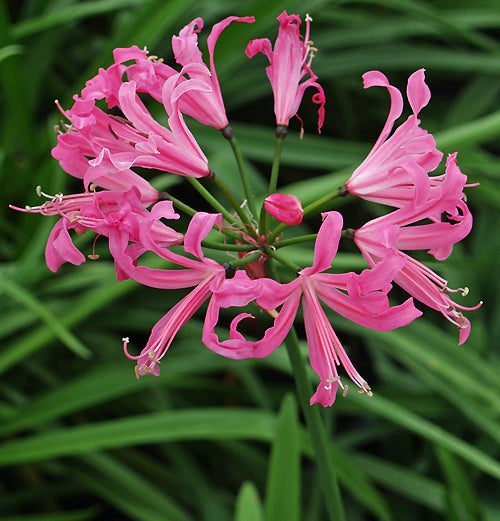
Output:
x,y
105,147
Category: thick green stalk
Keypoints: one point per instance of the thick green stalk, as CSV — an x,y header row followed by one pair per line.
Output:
x,y
234,203
315,427
321,202
243,176
178,204
283,260
273,182
245,260
211,200
222,246
295,240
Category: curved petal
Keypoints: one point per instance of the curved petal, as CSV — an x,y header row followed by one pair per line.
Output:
x,y
199,227
325,351
237,346
164,331
327,243
212,40
185,46
60,248
260,45
377,79
418,92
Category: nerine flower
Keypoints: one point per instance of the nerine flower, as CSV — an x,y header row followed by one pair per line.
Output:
x,y
395,171
361,298
398,231
111,214
204,104
96,145
203,273
289,70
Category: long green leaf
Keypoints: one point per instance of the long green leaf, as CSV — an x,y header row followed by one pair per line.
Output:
x,y
283,481
248,504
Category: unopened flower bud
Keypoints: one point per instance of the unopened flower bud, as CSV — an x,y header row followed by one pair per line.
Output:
x,y
285,208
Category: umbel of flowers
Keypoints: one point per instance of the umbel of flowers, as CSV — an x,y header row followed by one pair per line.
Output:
x,y
104,148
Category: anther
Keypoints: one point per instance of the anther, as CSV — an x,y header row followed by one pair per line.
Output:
x,y
152,356
366,389
53,198
155,59
330,381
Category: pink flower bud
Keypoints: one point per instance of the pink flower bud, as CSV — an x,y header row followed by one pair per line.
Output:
x,y
285,208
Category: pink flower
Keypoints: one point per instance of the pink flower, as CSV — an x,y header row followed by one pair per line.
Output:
x,y
289,64
396,169
285,208
98,147
204,104
205,274
391,233
106,213
361,298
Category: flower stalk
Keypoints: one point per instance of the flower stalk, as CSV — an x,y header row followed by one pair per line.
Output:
x,y
317,433
243,175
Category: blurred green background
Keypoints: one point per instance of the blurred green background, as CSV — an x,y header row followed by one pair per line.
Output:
x,y
214,439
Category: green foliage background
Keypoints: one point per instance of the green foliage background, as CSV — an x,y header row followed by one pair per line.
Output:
x,y
214,439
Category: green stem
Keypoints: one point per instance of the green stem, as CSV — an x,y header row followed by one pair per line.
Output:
x,y
243,176
179,205
328,477
245,260
273,183
227,247
280,228
237,207
211,199
283,260
296,240
319,203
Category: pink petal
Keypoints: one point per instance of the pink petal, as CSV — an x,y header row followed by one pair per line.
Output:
x,y
327,243
200,226
237,347
60,248
418,92
377,79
